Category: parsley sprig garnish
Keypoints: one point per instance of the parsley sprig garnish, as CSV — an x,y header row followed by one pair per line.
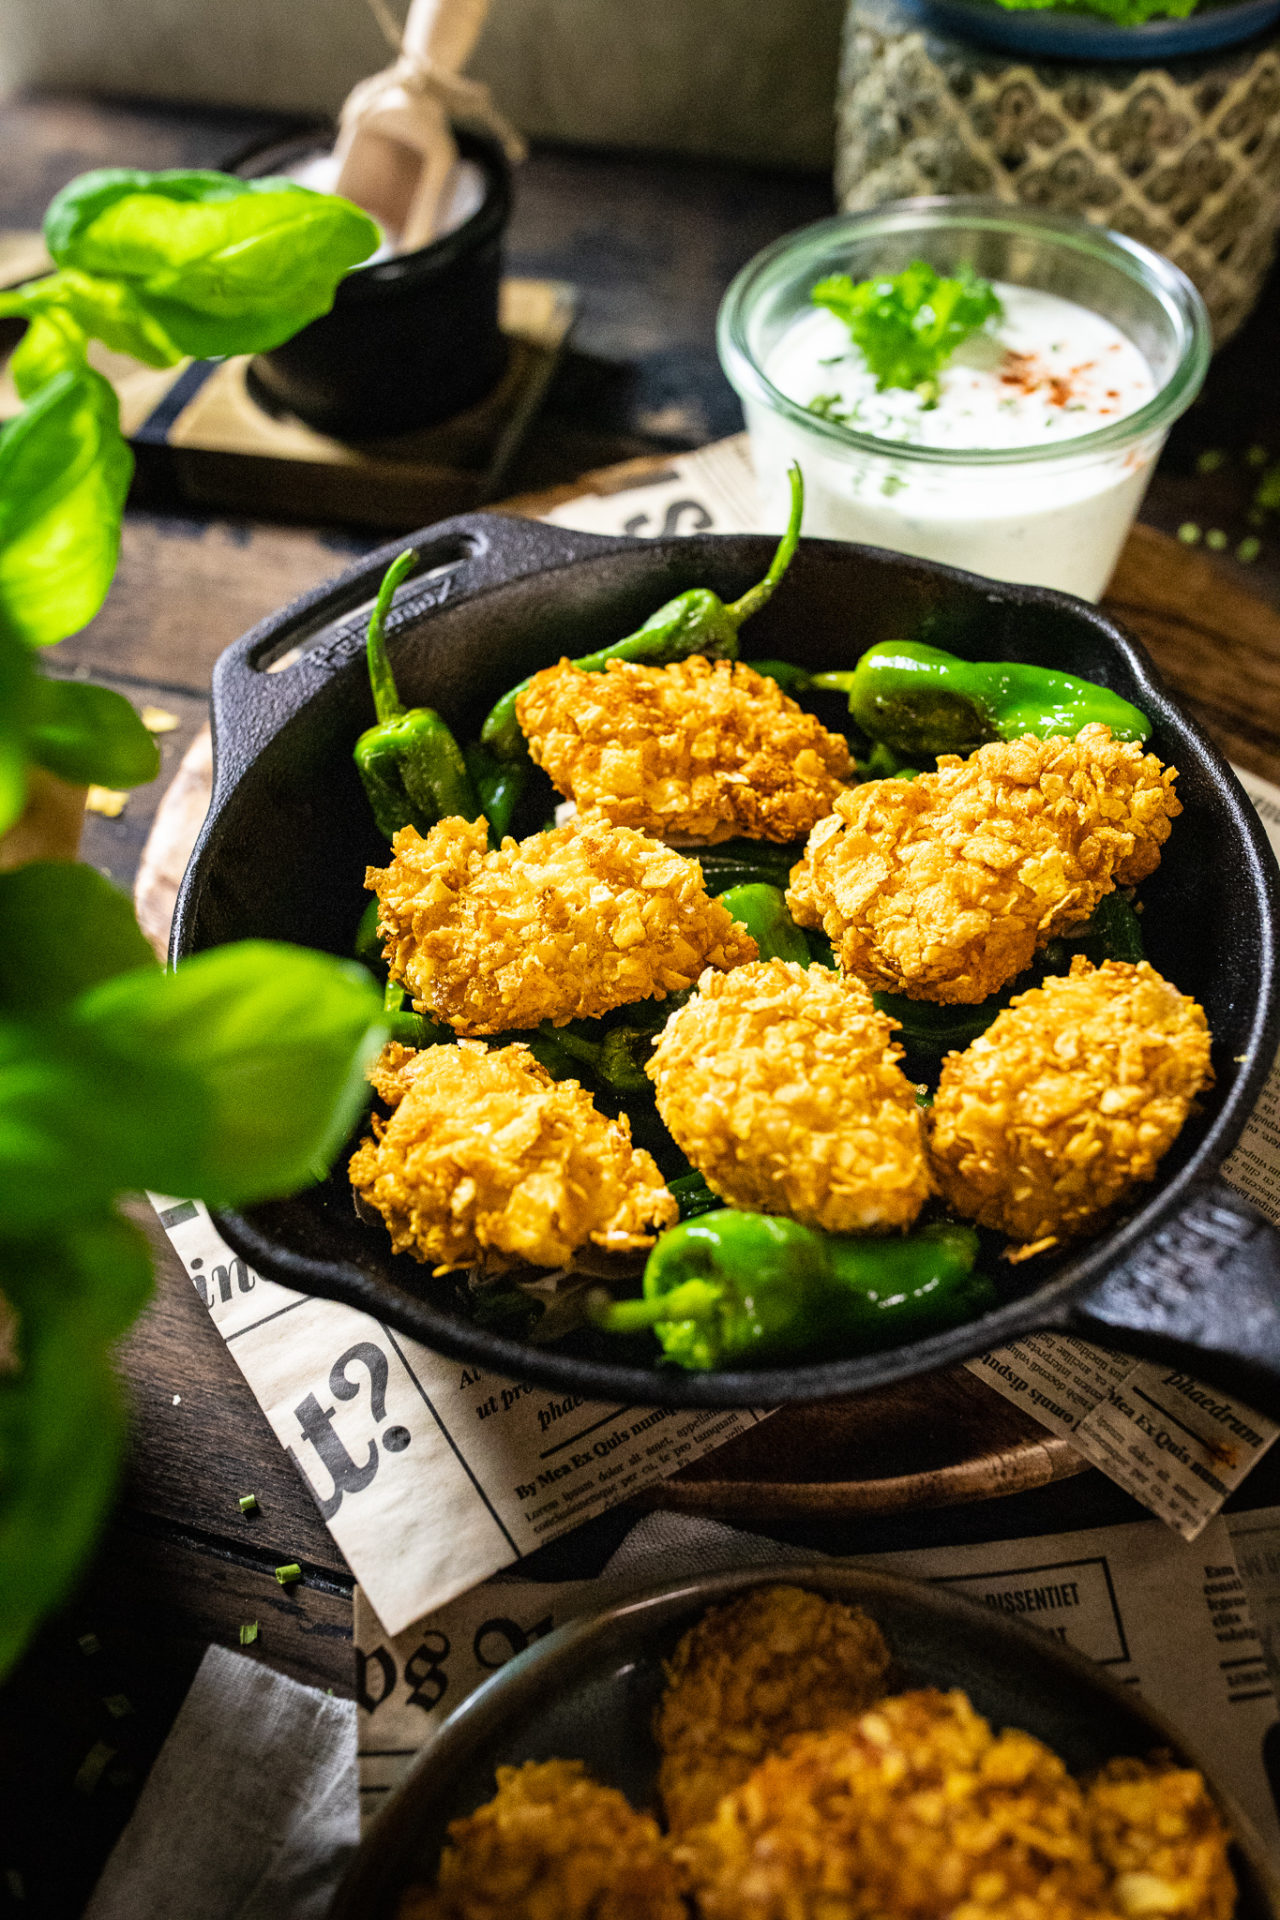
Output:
x,y
908,324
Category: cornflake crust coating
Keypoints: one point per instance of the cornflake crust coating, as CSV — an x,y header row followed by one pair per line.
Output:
x,y
944,887
552,1844
781,1083
914,1812
1164,1840
701,750
562,925
488,1160
776,1662
1068,1101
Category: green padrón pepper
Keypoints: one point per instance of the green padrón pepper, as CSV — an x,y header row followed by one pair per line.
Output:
x,y
499,786
411,765
698,621
920,701
734,1288
762,910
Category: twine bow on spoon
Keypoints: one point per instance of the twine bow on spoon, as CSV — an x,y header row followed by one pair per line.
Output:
x,y
395,151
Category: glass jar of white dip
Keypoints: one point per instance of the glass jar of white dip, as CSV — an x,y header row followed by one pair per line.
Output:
x,y
1033,462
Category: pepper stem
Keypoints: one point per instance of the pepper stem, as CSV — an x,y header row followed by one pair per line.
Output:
x,y
387,703
755,597
834,682
694,1300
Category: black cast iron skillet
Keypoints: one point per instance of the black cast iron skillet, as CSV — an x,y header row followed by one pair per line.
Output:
x,y
1191,1276
589,1690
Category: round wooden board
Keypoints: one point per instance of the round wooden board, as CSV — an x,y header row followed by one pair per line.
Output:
x,y
945,1439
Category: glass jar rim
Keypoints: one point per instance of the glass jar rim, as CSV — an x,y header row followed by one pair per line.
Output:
x,y
1175,293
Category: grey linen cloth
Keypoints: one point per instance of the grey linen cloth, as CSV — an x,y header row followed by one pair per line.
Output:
x,y
250,1811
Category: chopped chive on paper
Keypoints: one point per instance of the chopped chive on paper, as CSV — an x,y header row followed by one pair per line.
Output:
x,y
1188,533
118,1705
1216,539
1210,460
1248,550
248,1503
248,1633
289,1575
1257,457
89,1643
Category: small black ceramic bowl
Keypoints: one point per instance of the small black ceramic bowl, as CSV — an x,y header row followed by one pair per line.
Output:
x,y
409,341
588,1691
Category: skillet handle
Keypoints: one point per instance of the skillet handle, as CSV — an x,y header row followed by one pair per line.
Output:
x,y
1202,1292
456,559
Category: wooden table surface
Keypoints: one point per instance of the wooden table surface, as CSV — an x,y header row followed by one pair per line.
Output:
x,y
650,246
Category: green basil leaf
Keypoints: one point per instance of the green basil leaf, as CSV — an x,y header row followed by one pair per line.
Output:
x,y
85,733
219,265
61,1439
63,929
52,344
271,1042
108,309
64,473
17,693
78,1125
108,1260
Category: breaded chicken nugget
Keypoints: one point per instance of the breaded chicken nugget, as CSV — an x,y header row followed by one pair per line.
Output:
x,y
916,1811
487,1159
1068,1100
552,1844
1163,1838
781,1083
699,750
775,1662
565,924
945,886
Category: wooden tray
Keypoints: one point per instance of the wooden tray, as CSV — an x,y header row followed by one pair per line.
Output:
x,y
946,1439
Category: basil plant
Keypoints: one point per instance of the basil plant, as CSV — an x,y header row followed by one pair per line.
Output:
x,y
238,1075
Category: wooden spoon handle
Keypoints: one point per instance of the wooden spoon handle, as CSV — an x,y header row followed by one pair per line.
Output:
x,y
444,31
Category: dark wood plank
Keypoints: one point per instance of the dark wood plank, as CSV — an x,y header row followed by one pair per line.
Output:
x,y
187,588
190,1463
1215,640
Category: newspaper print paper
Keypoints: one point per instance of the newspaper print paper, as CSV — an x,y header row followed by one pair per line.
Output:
x,y
429,1474
1166,1617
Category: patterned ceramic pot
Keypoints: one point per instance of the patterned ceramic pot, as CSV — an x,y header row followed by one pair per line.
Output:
x,y
1183,156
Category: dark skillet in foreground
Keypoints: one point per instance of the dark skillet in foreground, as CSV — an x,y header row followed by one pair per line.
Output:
x,y
1192,1275
588,1692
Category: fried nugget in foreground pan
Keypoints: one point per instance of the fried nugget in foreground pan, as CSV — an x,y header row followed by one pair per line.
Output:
x,y
1068,1101
487,1159
781,1083
916,1811
1163,1838
699,750
552,1844
556,927
776,1662
944,887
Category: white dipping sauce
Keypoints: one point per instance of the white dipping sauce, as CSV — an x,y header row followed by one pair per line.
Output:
x,y
1042,375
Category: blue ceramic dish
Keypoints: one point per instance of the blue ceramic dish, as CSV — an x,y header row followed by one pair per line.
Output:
x,y
1054,35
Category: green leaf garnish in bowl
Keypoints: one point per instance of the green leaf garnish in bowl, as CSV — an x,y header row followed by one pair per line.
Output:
x,y
907,325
